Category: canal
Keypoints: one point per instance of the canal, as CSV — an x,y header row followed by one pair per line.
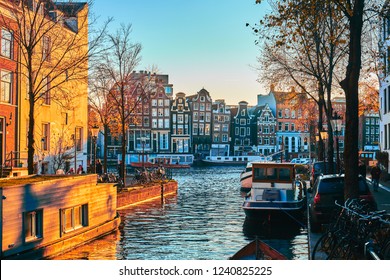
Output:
x,y
204,221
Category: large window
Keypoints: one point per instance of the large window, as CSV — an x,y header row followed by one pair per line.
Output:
x,y
33,225
46,48
73,218
6,43
45,137
6,86
46,91
79,139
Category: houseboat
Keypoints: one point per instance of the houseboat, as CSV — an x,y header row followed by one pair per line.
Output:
x,y
165,160
43,216
233,160
275,194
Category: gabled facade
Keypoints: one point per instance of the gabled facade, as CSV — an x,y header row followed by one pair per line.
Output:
x,y
181,125
266,130
160,104
241,130
200,105
220,129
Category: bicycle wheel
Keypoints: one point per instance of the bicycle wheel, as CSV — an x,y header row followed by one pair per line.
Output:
x,y
325,246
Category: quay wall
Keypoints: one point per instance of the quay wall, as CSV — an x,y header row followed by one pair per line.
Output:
x,y
126,198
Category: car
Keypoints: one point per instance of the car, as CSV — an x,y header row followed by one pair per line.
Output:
x,y
319,168
300,160
326,191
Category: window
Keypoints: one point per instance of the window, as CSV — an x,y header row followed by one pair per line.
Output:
x,y
33,225
286,127
45,48
160,102
242,121
207,129
73,218
195,129
46,91
243,112
167,102
201,129
225,128
201,108
280,114
6,43
202,99
225,138
79,139
154,102
5,87
196,106
45,136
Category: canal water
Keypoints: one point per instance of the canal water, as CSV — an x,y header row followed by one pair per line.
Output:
x,y
203,221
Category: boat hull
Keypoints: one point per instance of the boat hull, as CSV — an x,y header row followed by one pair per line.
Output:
x,y
246,181
257,250
274,211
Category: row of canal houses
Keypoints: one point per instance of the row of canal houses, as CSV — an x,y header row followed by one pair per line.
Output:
x,y
197,125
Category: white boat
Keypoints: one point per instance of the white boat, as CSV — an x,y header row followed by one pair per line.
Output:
x,y
232,160
275,194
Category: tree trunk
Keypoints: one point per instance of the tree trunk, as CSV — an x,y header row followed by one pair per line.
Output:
x,y
350,87
30,136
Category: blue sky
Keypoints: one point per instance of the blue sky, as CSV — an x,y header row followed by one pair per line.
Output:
x,y
199,44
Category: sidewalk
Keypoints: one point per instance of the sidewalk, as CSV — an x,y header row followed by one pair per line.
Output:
x,y
382,197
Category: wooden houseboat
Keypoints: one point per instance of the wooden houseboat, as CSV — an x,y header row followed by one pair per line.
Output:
x,y
43,216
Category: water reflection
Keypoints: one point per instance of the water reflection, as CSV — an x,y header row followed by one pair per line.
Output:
x,y
204,221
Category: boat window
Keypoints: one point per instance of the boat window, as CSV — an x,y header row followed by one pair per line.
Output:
x,y
260,174
284,173
271,173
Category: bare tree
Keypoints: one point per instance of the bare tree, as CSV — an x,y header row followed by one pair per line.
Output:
x,y
303,43
117,65
54,53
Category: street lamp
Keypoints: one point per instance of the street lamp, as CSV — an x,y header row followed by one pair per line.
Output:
x,y
336,126
95,132
324,136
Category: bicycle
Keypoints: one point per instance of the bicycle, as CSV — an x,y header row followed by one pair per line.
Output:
x,y
356,234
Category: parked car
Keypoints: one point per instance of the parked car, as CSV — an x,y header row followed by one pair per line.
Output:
x,y
328,189
318,168
300,160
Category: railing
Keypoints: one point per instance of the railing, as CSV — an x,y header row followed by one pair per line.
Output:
x,y
13,160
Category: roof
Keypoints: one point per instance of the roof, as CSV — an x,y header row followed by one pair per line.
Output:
x,y
70,9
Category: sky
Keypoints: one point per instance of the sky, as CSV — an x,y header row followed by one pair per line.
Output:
x,y
199,43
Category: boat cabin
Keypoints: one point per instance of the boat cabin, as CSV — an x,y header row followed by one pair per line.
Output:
x,y
270,175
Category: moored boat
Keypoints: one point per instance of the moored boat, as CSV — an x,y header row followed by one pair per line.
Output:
x,y
258,250
246,178
275,194
232,160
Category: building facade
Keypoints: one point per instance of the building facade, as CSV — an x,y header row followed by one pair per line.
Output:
x,y
9,99
181,125
384,90
200,105
220,129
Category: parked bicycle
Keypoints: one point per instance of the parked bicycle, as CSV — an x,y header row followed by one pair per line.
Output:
x,y
356,233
